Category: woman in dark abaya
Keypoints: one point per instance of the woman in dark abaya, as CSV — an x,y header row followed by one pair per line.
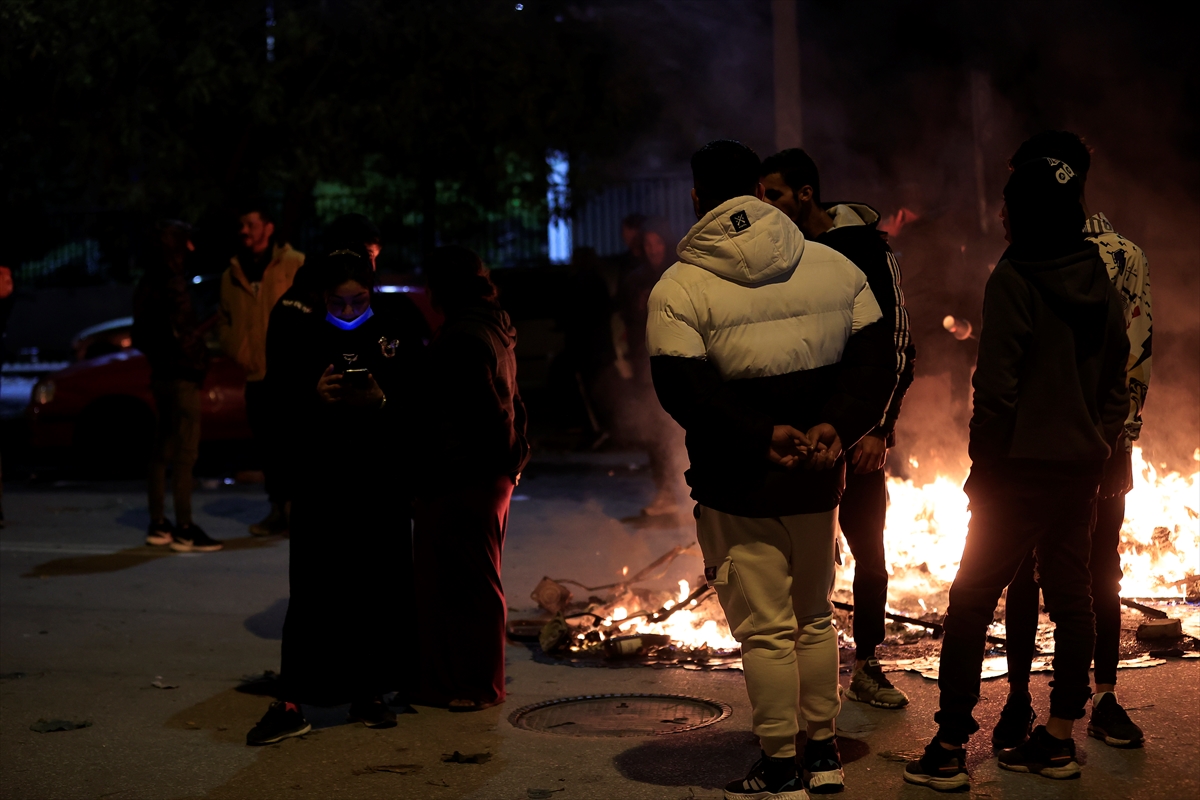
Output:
x,y
351,554
473,454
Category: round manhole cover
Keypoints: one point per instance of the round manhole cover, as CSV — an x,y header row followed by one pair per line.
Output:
x,y
619,715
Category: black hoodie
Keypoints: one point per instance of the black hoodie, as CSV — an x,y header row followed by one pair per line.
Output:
x,y
1050,391
475,417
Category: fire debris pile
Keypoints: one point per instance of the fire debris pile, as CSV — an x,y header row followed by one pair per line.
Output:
x,y
633,624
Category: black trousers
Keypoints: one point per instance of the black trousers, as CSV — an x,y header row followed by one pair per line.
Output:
x,y
1009,517
862,515
263,415
1021,606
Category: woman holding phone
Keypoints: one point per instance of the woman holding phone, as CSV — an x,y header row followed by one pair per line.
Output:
x,y
351,555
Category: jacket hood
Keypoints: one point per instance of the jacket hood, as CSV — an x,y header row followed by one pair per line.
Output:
x,y
1078,278
744,240
847,214
481,317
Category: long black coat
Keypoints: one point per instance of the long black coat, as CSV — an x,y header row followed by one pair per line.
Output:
x,y
351,548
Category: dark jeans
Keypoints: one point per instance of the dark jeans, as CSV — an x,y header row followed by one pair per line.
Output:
x,y
862,515
1009,517
262,414
176,444
1021,606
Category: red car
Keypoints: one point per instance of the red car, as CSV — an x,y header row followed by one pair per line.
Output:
x,y
102,408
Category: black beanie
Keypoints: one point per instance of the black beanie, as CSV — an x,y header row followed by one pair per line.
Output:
x,y
1045,216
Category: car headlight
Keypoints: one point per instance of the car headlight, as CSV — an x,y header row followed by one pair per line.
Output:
x,y
43,393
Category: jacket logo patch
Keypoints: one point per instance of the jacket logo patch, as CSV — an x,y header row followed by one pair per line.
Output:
x,y
740,221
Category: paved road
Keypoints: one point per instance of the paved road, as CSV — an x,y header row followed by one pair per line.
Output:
x,y
90,621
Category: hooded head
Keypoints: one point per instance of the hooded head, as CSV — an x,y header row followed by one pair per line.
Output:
x,y
1043,216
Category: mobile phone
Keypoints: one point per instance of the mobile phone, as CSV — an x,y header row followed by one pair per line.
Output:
x,y
357,378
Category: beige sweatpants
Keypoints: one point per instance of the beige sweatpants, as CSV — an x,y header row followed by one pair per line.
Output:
x,y
773,576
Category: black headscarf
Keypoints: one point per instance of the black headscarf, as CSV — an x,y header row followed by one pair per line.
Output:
x,y
1045,216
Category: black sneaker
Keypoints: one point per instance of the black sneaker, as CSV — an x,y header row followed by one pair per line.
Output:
x,y
273,524
160,533
373,714
823,767
1015,723
1043,755
940,769
1110,724
769,779
277,724
193,539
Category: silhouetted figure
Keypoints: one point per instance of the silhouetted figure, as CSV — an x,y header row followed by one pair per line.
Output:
x,y
1050,403
166,331
474,448
1130,273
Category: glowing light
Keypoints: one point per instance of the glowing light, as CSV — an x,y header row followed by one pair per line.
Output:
x,y
624,571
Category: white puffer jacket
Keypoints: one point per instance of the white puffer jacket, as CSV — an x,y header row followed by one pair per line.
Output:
x,y
755,327
754,298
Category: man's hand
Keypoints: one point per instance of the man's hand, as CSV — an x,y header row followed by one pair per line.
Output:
x,y
789,446
329,387
869,455
370,397
826,446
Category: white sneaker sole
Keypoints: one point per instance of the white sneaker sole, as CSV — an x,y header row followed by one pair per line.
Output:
x,y
830,782
188,547
798,794
953,784
1095,733
290,734
1064,773
876,703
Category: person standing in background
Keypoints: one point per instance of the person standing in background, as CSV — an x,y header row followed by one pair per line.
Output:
x,y
474,447
792,184
257,277
1129,272
167,333
643,418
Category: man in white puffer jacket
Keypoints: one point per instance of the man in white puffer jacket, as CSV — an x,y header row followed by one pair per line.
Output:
x,y
768,350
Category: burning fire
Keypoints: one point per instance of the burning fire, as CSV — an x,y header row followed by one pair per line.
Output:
x,y
926,530
927,526
697,626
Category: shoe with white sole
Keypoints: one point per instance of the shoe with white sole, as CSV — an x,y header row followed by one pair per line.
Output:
x,y
1043,755
869,685
769,779
940,769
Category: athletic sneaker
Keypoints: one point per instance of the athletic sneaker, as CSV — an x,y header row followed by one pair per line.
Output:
x,y
373,714
279,723
940,769
769,779
193,539
1015,723
1110,724
1042,755
870,685
273,524
160,533
823,767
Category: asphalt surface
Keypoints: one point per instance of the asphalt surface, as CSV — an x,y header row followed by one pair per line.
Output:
x,y
89,621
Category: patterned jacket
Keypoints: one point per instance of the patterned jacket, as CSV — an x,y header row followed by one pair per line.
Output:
x,y
1129,271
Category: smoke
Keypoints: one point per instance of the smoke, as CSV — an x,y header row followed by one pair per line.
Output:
x,y
918,107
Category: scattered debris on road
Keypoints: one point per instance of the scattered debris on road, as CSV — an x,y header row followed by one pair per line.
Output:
x,y
52,725
157,683
469,758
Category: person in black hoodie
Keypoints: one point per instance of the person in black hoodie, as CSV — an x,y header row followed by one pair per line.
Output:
x,y
792,184
474,449
1050,403
166,331
348,395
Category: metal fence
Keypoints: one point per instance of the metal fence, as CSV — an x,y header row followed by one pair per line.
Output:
x,y
597,220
